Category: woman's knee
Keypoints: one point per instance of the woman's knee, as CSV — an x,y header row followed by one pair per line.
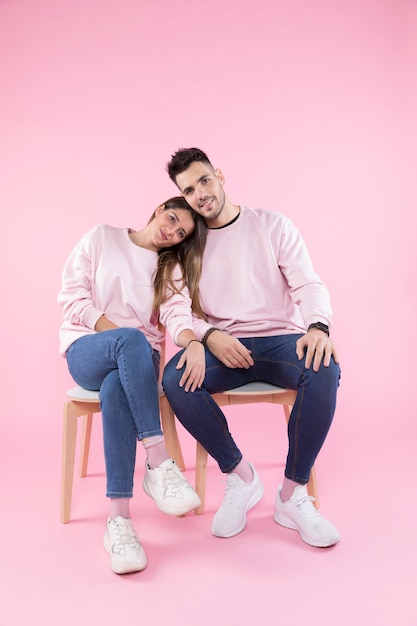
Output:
x,y
134,339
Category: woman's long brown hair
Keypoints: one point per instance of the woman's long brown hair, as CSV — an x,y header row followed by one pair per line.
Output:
x,y
188,254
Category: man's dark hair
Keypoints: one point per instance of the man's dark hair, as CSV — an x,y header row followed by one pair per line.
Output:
x,y
182,159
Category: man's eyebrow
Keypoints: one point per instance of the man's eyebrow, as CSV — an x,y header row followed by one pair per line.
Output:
x,y
202,177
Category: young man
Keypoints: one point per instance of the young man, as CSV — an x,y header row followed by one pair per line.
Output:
x,y
268,316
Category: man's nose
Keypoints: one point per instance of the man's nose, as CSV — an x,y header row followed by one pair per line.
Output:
x,y
201,193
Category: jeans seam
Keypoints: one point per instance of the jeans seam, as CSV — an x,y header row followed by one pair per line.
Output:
x,y
300,400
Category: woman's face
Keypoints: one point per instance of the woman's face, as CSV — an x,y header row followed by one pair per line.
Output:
x,y
171,226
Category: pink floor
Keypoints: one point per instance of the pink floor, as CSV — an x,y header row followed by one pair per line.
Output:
x,y
54,574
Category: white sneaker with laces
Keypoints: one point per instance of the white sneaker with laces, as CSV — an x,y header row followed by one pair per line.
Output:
x,y
239,497
122,543
299,513
170,489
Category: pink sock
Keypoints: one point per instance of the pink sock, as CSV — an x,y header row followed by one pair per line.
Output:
x,y
244,471
156,452
287,489
119,506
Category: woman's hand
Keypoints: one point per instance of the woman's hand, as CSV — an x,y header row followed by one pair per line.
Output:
x,y
229,350
103,323
194,359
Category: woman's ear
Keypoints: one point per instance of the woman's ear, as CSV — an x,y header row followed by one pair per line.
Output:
x,y
159,209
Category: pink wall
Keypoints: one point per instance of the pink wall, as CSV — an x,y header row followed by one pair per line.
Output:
x,y
307,107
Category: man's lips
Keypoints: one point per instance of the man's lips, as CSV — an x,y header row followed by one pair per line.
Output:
x,y
206,204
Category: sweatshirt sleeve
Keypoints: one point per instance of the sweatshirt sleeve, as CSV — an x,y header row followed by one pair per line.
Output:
x,y
307,289
76,294
175,313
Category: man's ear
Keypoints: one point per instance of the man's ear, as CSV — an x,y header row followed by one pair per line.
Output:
x,y
219,176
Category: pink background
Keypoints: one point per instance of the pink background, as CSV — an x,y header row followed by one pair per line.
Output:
x,y
308,108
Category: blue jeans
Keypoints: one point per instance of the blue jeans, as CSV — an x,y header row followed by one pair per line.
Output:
x,y
121,364
276,362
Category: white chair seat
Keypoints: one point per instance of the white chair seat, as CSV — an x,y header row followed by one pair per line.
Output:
x,y
79,394
256,387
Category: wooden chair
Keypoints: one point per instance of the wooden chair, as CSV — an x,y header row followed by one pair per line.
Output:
x,y
83,403
246,394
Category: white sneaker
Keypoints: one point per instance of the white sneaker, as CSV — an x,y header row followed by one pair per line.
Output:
x,y
239,497
122,543
171,491
299,513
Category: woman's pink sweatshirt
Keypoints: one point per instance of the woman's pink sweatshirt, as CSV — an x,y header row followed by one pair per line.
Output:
x,y
106,273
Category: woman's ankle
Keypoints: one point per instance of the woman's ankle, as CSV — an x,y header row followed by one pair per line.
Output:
x,y
120,507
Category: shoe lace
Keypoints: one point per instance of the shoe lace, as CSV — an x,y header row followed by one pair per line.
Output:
x,y
306,507
172,479
232,493
124,536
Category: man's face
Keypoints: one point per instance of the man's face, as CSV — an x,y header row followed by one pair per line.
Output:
x,y
202,187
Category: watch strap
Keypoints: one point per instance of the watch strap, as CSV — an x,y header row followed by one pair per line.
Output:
x,y
320,326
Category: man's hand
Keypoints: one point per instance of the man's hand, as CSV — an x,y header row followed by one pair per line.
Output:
x,y
194,359
229,350
317,347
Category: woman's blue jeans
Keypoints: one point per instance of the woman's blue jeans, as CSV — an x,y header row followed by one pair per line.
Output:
x,y
121,364
276,362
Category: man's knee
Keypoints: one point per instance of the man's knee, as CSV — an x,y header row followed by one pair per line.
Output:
x,y
171,376
329,376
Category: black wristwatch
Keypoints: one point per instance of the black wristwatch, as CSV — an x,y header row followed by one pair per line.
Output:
x,y
320,326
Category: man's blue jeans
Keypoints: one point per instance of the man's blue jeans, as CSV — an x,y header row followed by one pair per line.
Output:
x,y
122,365
276,362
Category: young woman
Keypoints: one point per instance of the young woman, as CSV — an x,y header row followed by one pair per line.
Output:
x,y
113,284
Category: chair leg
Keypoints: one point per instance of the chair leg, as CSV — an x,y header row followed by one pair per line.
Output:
x,y
170,432
69,440
85,443
201,476
312,487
